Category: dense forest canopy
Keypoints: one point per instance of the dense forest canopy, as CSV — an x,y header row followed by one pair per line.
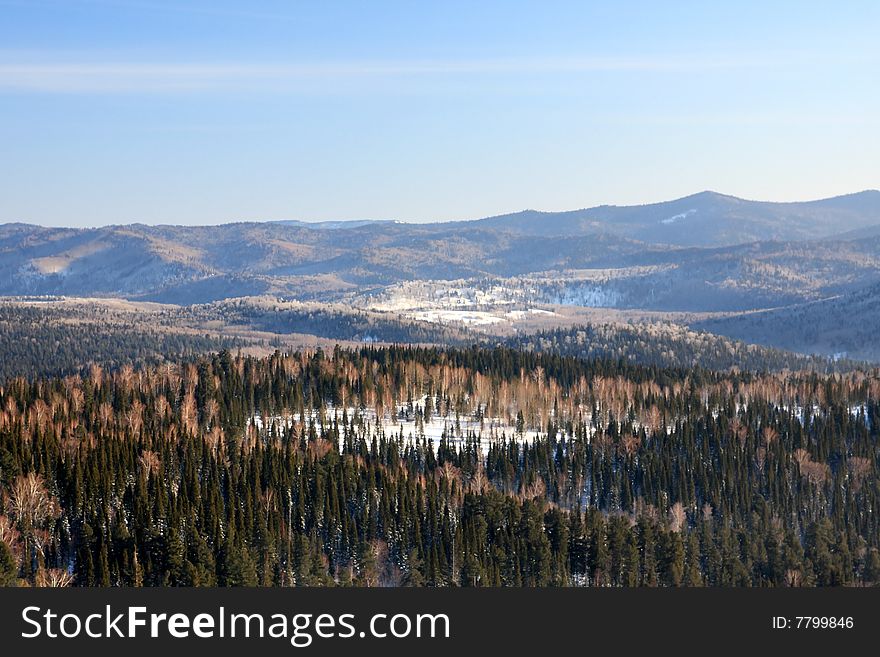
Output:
x,y
671,346
57,336
44,341
421,466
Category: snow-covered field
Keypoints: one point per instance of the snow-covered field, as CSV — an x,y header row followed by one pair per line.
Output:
x,y
470,317
444,295
409,424
490,302
520,314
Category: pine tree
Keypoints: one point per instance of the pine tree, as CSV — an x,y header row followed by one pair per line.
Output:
x,y
8,566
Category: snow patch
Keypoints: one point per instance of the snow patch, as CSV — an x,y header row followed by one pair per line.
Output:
x,y
678,217
472,317
519,314
412,426
588,296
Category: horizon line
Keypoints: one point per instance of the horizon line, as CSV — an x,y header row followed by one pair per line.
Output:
x,y
231,222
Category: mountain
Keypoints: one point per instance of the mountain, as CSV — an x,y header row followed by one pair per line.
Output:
x,y
333,225
703,253
704,219
191,264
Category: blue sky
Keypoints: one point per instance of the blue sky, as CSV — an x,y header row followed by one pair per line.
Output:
x,y
116,111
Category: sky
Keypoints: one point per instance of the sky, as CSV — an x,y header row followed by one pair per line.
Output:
x,y
203,112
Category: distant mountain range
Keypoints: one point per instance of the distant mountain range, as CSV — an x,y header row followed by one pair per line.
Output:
x,y
334,225
704,219
705,253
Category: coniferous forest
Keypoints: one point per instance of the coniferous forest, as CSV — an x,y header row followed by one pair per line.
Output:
x,y
414,466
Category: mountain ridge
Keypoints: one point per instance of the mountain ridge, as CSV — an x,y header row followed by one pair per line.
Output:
x,y
872,194
703,252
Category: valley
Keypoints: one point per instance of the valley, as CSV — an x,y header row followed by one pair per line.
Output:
x,y
768,274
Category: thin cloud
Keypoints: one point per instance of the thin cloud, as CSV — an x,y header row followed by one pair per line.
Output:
x,y
173,7
84,76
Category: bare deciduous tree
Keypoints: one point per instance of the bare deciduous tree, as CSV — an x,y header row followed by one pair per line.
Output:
x,y
535,490
479,481
189,414
30,501
859,468
319,448
814,471
770,435
677,517
33,507
707,512
793,578
149,463
11,536
53,578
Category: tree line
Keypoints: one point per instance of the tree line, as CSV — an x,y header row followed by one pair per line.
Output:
x,y
410,466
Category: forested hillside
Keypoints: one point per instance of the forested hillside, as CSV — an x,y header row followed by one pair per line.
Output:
x,y
36,341
416,466
669,345
779,275
812,327
66,336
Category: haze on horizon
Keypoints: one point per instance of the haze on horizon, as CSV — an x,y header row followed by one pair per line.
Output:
x,y
357,222
121,111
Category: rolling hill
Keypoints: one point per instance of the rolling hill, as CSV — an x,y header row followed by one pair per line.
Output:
x,y
845,326
756,267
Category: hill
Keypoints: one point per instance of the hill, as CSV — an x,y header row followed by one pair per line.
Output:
x,y
705,237
845,326
718,258
705,219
